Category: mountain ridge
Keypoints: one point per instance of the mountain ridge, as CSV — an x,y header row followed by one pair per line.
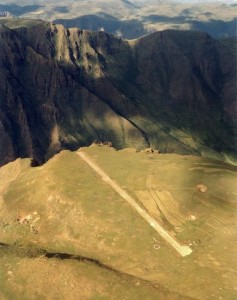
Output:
x,y
64,88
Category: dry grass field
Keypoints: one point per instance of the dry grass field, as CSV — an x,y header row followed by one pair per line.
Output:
x,y
61,224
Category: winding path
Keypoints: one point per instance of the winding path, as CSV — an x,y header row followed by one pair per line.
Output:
x,y
182,250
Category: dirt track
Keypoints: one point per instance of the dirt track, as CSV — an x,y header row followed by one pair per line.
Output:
x,y
182,250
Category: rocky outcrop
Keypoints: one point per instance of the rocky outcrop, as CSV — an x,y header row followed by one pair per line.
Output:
x,y
64,88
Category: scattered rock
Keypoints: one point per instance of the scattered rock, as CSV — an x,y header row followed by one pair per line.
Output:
x,y
202,187
105,143
34,163
24,220
34,230
150,151
178,229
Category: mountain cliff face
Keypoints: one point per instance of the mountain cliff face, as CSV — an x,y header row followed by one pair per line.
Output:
x,y
64,88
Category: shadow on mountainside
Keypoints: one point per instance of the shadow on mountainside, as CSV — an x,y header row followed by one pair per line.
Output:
x,y
87,86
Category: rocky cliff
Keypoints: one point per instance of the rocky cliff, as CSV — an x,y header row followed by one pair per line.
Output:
x,y
64,88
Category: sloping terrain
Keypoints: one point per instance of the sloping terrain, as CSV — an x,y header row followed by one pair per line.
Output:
x,y
64,88
61,223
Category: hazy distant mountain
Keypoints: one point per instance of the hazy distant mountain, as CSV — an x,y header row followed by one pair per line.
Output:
x,y
172,90
183,1
132,19
129,29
